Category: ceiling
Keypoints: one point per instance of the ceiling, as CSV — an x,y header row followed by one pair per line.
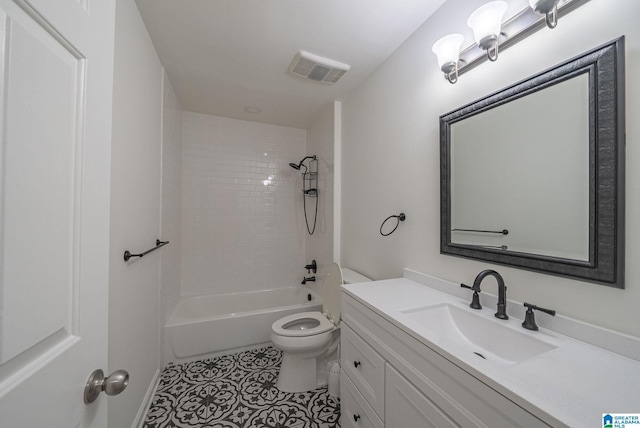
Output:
x,y
225,55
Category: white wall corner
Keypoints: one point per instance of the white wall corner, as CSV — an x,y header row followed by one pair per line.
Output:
x,y
337,178
160,312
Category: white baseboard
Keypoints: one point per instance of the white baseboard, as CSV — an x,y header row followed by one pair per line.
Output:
x,y
146,403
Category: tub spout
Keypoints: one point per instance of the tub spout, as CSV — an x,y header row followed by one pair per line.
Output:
x,y
308,279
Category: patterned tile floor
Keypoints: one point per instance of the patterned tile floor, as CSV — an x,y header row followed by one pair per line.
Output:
x,y
237,391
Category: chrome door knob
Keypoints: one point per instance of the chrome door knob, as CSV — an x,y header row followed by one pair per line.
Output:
x,y
113,384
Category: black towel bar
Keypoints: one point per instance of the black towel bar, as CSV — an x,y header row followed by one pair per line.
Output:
x,y
501,232
159,243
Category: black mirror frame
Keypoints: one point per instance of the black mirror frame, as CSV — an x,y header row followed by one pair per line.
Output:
x,y
605,69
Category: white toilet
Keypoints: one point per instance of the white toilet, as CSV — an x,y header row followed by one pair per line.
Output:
x,y
306,338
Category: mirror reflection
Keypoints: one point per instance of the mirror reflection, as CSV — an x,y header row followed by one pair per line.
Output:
x,y
523,167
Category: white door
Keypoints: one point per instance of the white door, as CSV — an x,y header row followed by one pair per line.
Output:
x,y
56,68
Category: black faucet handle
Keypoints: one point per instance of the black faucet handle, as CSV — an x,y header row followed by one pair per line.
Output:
x,y
475,300
538,308
529,317
313,266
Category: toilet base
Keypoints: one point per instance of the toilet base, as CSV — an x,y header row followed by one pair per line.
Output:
x,y
297,374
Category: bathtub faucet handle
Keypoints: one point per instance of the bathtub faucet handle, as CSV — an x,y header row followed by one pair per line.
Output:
x,y
312,267
308,279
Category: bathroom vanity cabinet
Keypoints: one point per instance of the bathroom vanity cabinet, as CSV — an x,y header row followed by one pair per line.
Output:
x,y
390,379
414,354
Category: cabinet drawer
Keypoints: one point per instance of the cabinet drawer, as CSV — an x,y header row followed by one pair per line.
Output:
x,y
408,407
365,368
355,411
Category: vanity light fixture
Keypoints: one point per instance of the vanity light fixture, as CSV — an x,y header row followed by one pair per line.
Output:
x,y
485,22
447,49
491,33
548,8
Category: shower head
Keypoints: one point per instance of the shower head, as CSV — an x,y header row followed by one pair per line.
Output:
x,y
301,164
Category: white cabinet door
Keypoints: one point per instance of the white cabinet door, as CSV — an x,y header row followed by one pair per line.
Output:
x,y
56,72
408,407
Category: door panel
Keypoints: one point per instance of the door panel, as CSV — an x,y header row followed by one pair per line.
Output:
x,y
55,116
40,156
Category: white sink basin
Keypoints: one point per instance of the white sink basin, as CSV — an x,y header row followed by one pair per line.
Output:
x,y
462,330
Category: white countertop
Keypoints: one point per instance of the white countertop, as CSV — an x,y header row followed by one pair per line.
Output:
x,y
575,383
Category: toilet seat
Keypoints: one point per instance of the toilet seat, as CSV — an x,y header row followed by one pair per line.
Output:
x,y
323,326
321,322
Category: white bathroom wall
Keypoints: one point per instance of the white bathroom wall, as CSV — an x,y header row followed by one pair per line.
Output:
x,y
134,287
319,246
171,213
391,156
242,223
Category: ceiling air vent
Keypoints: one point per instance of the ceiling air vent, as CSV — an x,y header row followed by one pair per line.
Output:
x,y
317,68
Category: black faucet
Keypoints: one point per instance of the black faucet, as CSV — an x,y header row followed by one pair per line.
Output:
x,y
529,317
502,292
308,279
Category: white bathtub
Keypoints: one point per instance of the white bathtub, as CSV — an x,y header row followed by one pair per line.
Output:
x,y
215,323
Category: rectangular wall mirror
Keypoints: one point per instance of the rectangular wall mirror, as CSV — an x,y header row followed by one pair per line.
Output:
x,y
533,175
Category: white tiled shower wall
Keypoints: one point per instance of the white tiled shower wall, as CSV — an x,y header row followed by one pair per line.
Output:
x,y
242,221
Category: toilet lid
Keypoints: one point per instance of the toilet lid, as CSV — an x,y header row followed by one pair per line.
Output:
x,y
330,293
302,324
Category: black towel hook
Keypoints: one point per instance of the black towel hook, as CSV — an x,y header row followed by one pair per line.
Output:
x,y
400,217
